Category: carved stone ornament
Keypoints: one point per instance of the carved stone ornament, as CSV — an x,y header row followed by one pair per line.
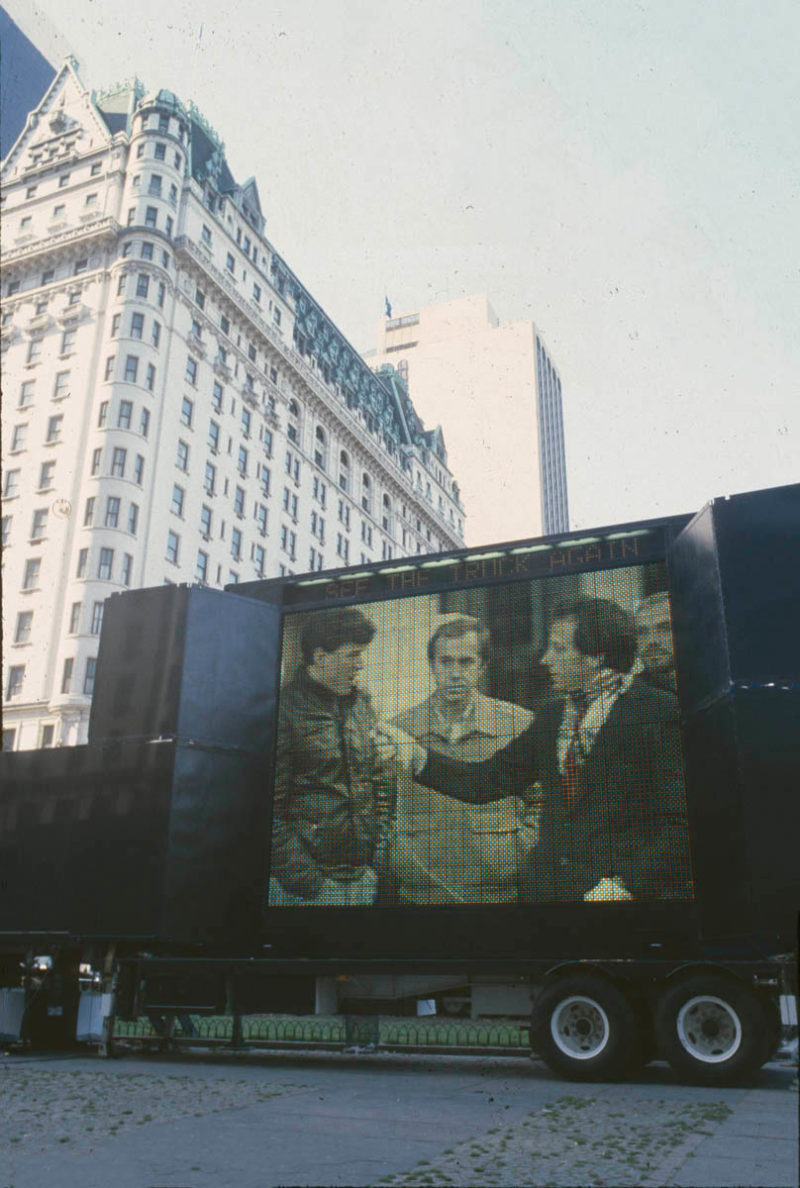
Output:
x,y
62,508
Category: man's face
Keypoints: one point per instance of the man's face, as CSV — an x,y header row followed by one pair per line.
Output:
x,y
338,670
457,668
654,637
570,671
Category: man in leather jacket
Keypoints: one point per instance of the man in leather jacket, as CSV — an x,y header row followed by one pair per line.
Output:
x,y
335,778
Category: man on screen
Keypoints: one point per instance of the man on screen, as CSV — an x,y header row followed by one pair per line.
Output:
x,y
335,780
607,751
654,651
443,851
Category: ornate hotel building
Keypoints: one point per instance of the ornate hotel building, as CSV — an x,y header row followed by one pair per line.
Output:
x,y
176,406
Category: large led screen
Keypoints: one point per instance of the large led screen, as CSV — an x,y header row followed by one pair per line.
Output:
x,y
504,744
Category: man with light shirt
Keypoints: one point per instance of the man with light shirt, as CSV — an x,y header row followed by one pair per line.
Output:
x,y
607,751
441,850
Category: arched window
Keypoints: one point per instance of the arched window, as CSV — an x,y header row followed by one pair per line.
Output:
x,y
366,492
320,448
344,471
386,519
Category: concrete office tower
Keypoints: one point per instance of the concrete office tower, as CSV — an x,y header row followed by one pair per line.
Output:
x,y
497,394
177,407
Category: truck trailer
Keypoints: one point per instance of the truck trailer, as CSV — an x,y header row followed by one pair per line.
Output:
x,y
352,790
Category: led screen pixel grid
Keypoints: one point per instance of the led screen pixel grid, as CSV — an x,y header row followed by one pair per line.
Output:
x,y
543,732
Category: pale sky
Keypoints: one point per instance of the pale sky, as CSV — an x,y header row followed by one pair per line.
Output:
x,y
624,174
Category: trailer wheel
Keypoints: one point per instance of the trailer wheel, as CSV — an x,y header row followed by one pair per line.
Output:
x,y
712,1031
584,1029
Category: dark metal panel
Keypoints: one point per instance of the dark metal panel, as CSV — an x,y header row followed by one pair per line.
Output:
x,y
187,662
139,664
217,852
230,673
758,538
83,839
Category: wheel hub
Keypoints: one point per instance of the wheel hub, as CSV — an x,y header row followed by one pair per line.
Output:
x,y
580,1027
709,1029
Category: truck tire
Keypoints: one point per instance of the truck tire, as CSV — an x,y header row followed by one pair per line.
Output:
x,y
584,1029
711,1030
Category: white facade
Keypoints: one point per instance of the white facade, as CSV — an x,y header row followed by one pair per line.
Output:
x,y
495,390
176,407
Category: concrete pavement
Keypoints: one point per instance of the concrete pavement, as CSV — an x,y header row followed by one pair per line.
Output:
x,y
256,1121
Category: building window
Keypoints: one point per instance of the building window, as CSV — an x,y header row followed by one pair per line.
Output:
x,y
48,276
200,298
261,518
26,394
205,522
138,470
230,263
66,676
236,544
205,235
112,511
22,632
83,560
30,578
127,566
161,292
109,370
276,316
14,684
133,518
201,569
7,522
156,334
342,547
95,169
154,187
257,294
265,479
209,482
137,325
67,341
151,217
124,414
39,523
259,559
54,427
131,216
106,565
118,460
247,421
344,471
18,438
176,505
88,680
182,461
238,501
142,285
81,265
34,351
97,618
173,547
267,439
88,513
216,396
320,448
241,464
344,513
191,370
144,422
75,618
161,151
187,412
150,377
46,472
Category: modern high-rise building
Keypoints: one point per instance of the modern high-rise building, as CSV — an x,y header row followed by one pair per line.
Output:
x,y
177,407
497,393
